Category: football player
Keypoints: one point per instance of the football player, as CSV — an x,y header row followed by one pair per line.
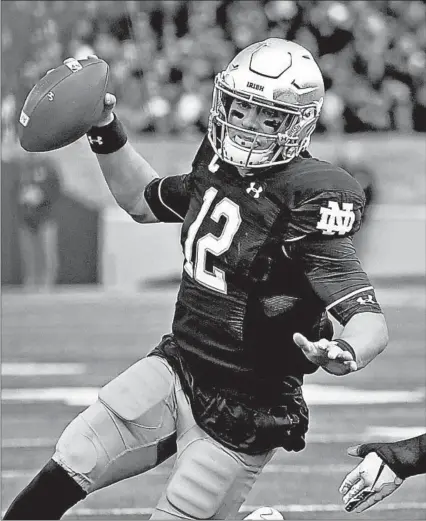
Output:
x,y
382,471
267,244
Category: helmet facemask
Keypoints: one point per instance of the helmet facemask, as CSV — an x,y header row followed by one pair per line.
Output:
x,y
252,149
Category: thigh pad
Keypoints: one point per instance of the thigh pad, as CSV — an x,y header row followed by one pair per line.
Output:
x,y
205,476
141,392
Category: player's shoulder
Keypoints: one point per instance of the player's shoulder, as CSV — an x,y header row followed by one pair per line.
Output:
x,y
204,153
308,177
320,197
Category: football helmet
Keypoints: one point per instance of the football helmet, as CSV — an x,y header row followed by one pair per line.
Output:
x,y
273,74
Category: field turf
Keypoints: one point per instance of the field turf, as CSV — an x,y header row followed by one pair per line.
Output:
x,y
58,349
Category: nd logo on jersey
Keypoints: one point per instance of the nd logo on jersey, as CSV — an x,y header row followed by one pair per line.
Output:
x,y
336,220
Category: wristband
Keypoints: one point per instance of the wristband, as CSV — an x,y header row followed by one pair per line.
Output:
x,y
345,346
107,139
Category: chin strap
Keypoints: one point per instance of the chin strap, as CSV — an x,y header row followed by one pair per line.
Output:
x,y
233,152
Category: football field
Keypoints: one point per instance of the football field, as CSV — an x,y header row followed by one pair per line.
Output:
x,y
58,349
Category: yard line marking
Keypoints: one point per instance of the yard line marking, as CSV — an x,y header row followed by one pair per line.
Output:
x,y
19,474
314,395
40,369
73,396
408,505
26,443
271,468
370,434
330,507
396,432
342,395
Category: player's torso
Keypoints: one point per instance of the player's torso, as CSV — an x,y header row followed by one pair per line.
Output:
x,y
229,221
241,299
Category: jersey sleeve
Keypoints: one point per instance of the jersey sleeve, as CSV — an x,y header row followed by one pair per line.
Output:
x,y
333,211
168,198
336,276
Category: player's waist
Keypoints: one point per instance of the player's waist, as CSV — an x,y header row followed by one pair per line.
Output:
x,y
250,386
253,387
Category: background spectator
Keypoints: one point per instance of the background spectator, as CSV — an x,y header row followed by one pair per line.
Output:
x,y
37,190
163,55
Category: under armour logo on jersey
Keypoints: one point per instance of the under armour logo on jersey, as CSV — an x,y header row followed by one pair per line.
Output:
x,y
335,219
50,96
256,191
97,139
368,300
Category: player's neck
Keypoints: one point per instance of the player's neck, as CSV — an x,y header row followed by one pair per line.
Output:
x,y
245,172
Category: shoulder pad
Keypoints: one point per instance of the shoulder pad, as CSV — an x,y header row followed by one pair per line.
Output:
x,y
322,199
308,177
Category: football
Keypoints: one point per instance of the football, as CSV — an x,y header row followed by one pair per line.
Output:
x,y
63,105
265,513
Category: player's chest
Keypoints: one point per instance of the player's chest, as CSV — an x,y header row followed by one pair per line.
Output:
x,y
227,224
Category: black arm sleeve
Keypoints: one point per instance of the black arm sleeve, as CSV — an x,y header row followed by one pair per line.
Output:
x,y
406,458
168,198
336,276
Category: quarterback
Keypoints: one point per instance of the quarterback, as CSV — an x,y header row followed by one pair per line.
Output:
x,y
267,254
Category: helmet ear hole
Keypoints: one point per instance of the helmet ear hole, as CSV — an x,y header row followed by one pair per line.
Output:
x,y
308,113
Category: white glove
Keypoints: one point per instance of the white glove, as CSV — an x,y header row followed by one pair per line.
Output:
x,y
368,483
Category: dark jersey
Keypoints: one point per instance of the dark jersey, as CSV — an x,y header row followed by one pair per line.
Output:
x,y
265,257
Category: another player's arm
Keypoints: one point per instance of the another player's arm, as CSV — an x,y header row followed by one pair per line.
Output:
x,y
406,457
363,487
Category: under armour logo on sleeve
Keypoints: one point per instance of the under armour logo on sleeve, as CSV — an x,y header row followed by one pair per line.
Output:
x,y
256,191
335,219
97,139
368,300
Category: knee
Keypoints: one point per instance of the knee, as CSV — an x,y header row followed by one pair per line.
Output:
x,y
85,447
204,479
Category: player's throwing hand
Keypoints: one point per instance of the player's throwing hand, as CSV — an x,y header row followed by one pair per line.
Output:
x,y
368,483
327,354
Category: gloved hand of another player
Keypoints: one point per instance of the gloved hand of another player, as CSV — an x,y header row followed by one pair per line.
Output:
x,y
368,483
326,354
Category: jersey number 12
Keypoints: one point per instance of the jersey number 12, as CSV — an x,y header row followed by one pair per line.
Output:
x,y
216,279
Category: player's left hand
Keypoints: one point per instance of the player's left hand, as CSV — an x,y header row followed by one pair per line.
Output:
x,y
368,483
326,354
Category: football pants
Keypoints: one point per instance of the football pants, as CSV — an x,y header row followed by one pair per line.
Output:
x,y
140,419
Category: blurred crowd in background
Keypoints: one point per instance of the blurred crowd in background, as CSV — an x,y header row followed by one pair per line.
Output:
x,y
164,54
